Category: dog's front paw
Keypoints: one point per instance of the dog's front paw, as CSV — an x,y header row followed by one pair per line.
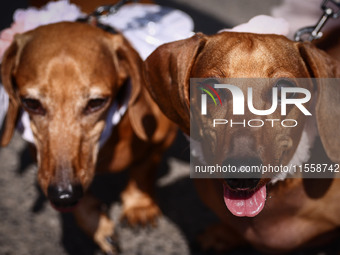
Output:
x,y
105,236
140,210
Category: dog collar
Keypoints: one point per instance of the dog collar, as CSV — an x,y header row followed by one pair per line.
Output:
x,y
115,114
3,104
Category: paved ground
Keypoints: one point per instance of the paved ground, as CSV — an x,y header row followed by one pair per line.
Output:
x,y
28,225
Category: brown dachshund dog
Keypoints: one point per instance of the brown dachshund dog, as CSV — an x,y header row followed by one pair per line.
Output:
x,y
67,76
283,215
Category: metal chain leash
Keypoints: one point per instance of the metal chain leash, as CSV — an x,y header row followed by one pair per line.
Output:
x,y
104,10
110,9
331,9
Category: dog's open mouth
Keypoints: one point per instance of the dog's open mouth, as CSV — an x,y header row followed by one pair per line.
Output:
x,y
64,209
246,202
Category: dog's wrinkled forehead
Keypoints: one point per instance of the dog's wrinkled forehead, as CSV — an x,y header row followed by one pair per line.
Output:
x,y
74,52
241,55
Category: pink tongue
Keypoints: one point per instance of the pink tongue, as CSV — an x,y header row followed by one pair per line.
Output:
x,y
243,203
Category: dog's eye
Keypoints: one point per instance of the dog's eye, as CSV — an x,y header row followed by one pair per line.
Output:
x,y
284,83
94,105
210,82
33,106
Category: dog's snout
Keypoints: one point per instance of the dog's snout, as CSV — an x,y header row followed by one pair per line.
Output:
x,y
246,172
64,196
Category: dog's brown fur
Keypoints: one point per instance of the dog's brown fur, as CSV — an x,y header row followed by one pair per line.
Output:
x,y
298,211
64,66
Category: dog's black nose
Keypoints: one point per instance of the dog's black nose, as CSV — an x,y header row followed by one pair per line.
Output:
x,y
242,183
64,196
246,172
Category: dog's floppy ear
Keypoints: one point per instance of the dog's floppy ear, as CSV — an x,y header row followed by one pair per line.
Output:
x,y
321,65
8,67
167,75
140,107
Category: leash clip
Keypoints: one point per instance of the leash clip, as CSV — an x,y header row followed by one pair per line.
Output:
x,y
104,10
331,9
